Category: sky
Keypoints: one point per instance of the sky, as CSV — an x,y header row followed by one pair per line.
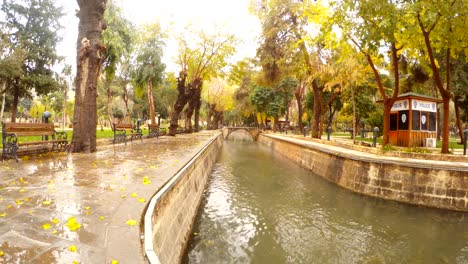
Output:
x,y
174,15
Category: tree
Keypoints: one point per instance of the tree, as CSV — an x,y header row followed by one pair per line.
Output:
x,y
89,63
441,26
118,40
204,59
373,26
32,27
149,67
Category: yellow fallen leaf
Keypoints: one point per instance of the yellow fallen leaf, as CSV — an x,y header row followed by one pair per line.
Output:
x,y
8,206
122,188
2,253
46,226
88,213
123,196
75,262
141,200
46,202
31,212
134,195
101,217
153,166
146,180
22,180
3,215
18,202
72,248
54,231
72,224
87,208
51,181
139,169
114,261
131,222
27,199
1,199
22,190
55,220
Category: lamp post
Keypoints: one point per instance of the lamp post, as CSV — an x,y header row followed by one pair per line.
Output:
x,y
464,143
376,131
328,132
45,119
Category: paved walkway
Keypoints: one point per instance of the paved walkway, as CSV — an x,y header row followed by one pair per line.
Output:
x,y
86,208
373,157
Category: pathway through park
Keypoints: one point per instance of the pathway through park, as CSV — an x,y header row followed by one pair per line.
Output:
x,y
86,208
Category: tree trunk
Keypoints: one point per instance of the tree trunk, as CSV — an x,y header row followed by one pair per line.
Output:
x,y
444,92
3,101
89,63
317,106
64,111
197,109
151,103
179,104
299,93
14,110
110,115
388,103
456,101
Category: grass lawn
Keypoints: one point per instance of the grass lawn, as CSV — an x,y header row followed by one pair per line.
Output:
x,y
452,143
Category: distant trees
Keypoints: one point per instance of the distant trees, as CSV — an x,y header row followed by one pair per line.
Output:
x,y
29,39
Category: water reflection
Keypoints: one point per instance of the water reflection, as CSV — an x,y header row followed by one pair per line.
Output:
x,y
263,209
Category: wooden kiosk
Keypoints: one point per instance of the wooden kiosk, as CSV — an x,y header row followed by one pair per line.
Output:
x,y
413,121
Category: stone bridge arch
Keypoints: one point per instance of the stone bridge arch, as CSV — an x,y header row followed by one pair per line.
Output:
x,y
252,131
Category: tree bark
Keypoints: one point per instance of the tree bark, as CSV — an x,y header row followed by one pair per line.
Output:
x,y
151,103
89,64
299,95
3,101
179,104
197,110
317,107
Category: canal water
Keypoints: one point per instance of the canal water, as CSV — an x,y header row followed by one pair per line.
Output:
x,y
261,208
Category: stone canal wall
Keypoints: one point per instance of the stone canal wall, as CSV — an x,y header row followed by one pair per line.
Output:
x,y
429,183
172,211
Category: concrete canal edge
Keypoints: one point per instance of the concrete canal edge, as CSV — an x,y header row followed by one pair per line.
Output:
x,y
172,210
428,183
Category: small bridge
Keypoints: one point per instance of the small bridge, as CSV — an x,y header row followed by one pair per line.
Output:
x,y
231,131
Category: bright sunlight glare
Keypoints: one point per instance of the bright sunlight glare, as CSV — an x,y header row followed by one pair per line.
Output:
x,y
232,16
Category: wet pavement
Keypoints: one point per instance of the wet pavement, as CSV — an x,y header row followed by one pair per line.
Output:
x,y
86,208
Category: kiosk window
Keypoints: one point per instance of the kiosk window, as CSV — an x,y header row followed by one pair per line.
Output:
x,y
424,121
432,121
416,116
393,122
403,120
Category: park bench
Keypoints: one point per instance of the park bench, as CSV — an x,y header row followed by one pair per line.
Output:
x,y
12,131
120,132
153,130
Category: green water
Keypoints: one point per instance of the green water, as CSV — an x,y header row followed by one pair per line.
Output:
x,y
260,208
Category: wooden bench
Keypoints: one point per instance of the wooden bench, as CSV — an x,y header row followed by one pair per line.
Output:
x,y
153,130
11,132
120,132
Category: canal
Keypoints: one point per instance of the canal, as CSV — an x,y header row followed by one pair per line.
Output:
x,y
261,208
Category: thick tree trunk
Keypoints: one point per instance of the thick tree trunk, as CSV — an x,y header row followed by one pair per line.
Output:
x,y
189,112
299,94
456,101
388,103
89,63
317,107
151,103
179,104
